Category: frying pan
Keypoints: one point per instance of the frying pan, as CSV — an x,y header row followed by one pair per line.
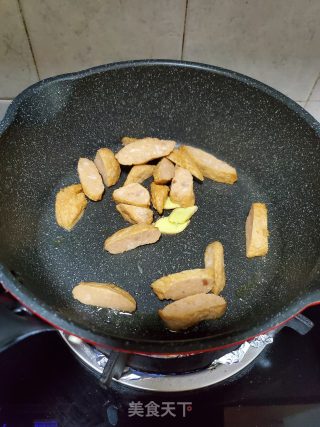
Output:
x,y
273,143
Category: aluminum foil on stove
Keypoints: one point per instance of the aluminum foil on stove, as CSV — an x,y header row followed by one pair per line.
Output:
x,y
236,356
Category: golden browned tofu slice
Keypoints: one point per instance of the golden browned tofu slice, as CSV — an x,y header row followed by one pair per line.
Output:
x,y
164,172
132,194
135,214
131,237
90,179
144,150
183,284
139,173
108,166
181,158
181,191
127,140
257,230
191,310
211,167
106,295
69,206
214,260
159,194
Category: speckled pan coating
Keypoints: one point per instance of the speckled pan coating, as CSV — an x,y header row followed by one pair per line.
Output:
x,y
273,143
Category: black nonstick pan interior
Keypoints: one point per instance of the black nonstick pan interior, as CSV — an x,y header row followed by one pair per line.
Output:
x,y
271,141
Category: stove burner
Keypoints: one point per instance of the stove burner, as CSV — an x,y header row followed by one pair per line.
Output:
x,y
217,370
177,372
153,373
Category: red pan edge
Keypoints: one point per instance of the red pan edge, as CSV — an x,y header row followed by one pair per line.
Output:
x,y
185,353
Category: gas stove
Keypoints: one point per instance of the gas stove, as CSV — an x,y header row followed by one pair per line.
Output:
x,y
274,381
175,373
56,380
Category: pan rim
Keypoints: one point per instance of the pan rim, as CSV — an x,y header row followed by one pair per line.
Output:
x,y
13,107
183,346
178,345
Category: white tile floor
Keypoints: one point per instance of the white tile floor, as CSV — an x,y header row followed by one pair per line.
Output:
x,y
4,104
315,95
313,107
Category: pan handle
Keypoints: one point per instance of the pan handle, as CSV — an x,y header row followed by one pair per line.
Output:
x,y
17,323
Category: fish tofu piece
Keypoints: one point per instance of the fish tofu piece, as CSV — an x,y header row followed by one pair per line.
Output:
x,y
106,295
143,150
69,206
181,191
163,172
159,194
132,194
131,237
181,158
257,231
108,166
127,140
135,214
180,285
90,179
139,173
191,310
211,167
214,260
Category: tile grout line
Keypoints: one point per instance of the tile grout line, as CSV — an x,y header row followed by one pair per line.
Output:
x,y
184,29
28,37
312,89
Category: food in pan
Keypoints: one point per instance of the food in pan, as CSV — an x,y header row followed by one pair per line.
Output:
x,y
211,167
182,215
90,179
159,194
135,214
167,227
181,158
214,260
131,237
106,295
139,173
177,221
176,165
69,206
108,166
132,194
181,190
191,310
127,140
168,204
179,285
257,231
143,150
163,172
195,292
189,287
